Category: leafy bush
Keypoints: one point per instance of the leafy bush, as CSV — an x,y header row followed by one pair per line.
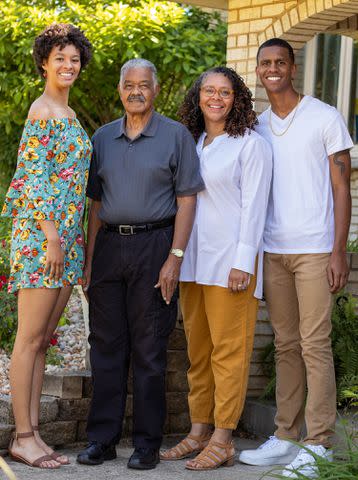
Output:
x,y
180,41
352,245
345,345
345,352
5,223
8,307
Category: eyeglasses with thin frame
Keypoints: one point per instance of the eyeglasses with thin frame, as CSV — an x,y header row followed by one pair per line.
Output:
x,y
211,91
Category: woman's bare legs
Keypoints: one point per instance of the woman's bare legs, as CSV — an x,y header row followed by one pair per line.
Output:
x,y
34,310
39,368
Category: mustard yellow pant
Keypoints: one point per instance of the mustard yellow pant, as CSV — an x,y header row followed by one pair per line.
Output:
x,y
219,327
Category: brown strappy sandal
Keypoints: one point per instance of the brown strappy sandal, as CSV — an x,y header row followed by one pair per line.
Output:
x,y
36,463
210,458
184,449
54,455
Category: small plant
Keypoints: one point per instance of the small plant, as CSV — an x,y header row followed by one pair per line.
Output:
x,y
345,346
53,356
352,245
8,302
8,320
344,465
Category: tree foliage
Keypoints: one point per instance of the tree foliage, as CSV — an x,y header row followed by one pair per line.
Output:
x,y
181,42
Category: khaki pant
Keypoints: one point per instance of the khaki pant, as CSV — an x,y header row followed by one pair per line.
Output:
x,y
220,328
299,304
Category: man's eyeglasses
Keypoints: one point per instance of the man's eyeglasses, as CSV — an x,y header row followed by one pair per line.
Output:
x,y
211,91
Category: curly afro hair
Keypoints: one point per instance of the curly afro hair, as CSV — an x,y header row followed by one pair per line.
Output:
x,y
241,117
60,35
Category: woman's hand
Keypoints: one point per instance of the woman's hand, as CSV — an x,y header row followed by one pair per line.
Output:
x,y
238,280
54,260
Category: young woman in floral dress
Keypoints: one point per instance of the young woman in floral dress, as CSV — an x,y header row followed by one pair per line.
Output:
x,y
46,200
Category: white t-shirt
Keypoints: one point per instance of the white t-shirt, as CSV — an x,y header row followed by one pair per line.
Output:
x,y
300,211
231,211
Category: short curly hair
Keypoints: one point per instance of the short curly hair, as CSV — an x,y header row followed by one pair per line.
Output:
x,y
60,35
241,117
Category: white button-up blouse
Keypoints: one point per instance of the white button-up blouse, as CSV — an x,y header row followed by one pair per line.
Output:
x,y
231,211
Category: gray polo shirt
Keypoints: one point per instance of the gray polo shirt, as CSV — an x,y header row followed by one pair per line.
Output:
x,y
138,180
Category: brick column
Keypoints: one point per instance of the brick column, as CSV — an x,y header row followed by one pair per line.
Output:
x,y
251,22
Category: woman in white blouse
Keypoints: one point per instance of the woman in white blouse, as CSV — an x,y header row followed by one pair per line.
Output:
x,y
221,274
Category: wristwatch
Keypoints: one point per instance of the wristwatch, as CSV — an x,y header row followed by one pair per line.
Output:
x,y
177,252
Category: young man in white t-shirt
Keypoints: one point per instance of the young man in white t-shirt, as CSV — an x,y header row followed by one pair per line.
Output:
x,y
305,258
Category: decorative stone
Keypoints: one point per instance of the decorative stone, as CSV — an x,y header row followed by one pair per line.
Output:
x,y
177,402
48,409
177,340
81,435
177,361
5,434
59,433
179,423
354,260
63,385
73,409
87,386
177,381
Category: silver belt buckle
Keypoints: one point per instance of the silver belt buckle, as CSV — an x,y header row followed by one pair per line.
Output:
x,y
126,230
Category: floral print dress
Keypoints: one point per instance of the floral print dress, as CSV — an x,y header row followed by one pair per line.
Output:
x,y
49,184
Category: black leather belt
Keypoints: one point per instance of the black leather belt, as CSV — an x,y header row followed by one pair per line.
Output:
x,y
133,229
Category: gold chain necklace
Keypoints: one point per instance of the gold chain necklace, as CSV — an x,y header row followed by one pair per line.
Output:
x,y
290,122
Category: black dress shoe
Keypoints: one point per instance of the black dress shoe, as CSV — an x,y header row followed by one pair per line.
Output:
x,y
96,453
144,458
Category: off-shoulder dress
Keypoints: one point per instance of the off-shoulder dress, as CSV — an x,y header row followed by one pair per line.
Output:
x,y
49,184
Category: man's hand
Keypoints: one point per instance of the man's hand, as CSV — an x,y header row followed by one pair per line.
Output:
x,y
337,271
238,280
86,278
168,277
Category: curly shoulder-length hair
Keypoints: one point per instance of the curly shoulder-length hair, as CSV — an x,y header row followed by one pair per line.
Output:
x,y
60,35
240,118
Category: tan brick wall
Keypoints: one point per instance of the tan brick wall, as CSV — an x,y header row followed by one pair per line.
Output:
x,y
354,193
251,22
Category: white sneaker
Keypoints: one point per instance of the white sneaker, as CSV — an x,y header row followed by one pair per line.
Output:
x,y
273,452
305,463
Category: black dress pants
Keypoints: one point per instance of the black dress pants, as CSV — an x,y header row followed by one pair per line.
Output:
x,y
129,319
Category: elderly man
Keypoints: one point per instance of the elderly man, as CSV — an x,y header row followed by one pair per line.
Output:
x,y
143,183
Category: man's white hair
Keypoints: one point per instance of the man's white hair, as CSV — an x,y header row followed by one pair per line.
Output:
x,y
139,63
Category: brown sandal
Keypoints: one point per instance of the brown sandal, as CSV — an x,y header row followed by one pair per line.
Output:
x,y
36,463
54,455
210,458
184,450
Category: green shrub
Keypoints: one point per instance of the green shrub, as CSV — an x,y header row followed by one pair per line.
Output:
x,y
352,245
344,465
8,307
181,41
5,223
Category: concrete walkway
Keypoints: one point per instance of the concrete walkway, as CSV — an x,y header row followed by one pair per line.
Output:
x,y
117,469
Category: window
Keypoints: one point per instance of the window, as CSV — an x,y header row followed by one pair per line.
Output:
x,y
331,75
